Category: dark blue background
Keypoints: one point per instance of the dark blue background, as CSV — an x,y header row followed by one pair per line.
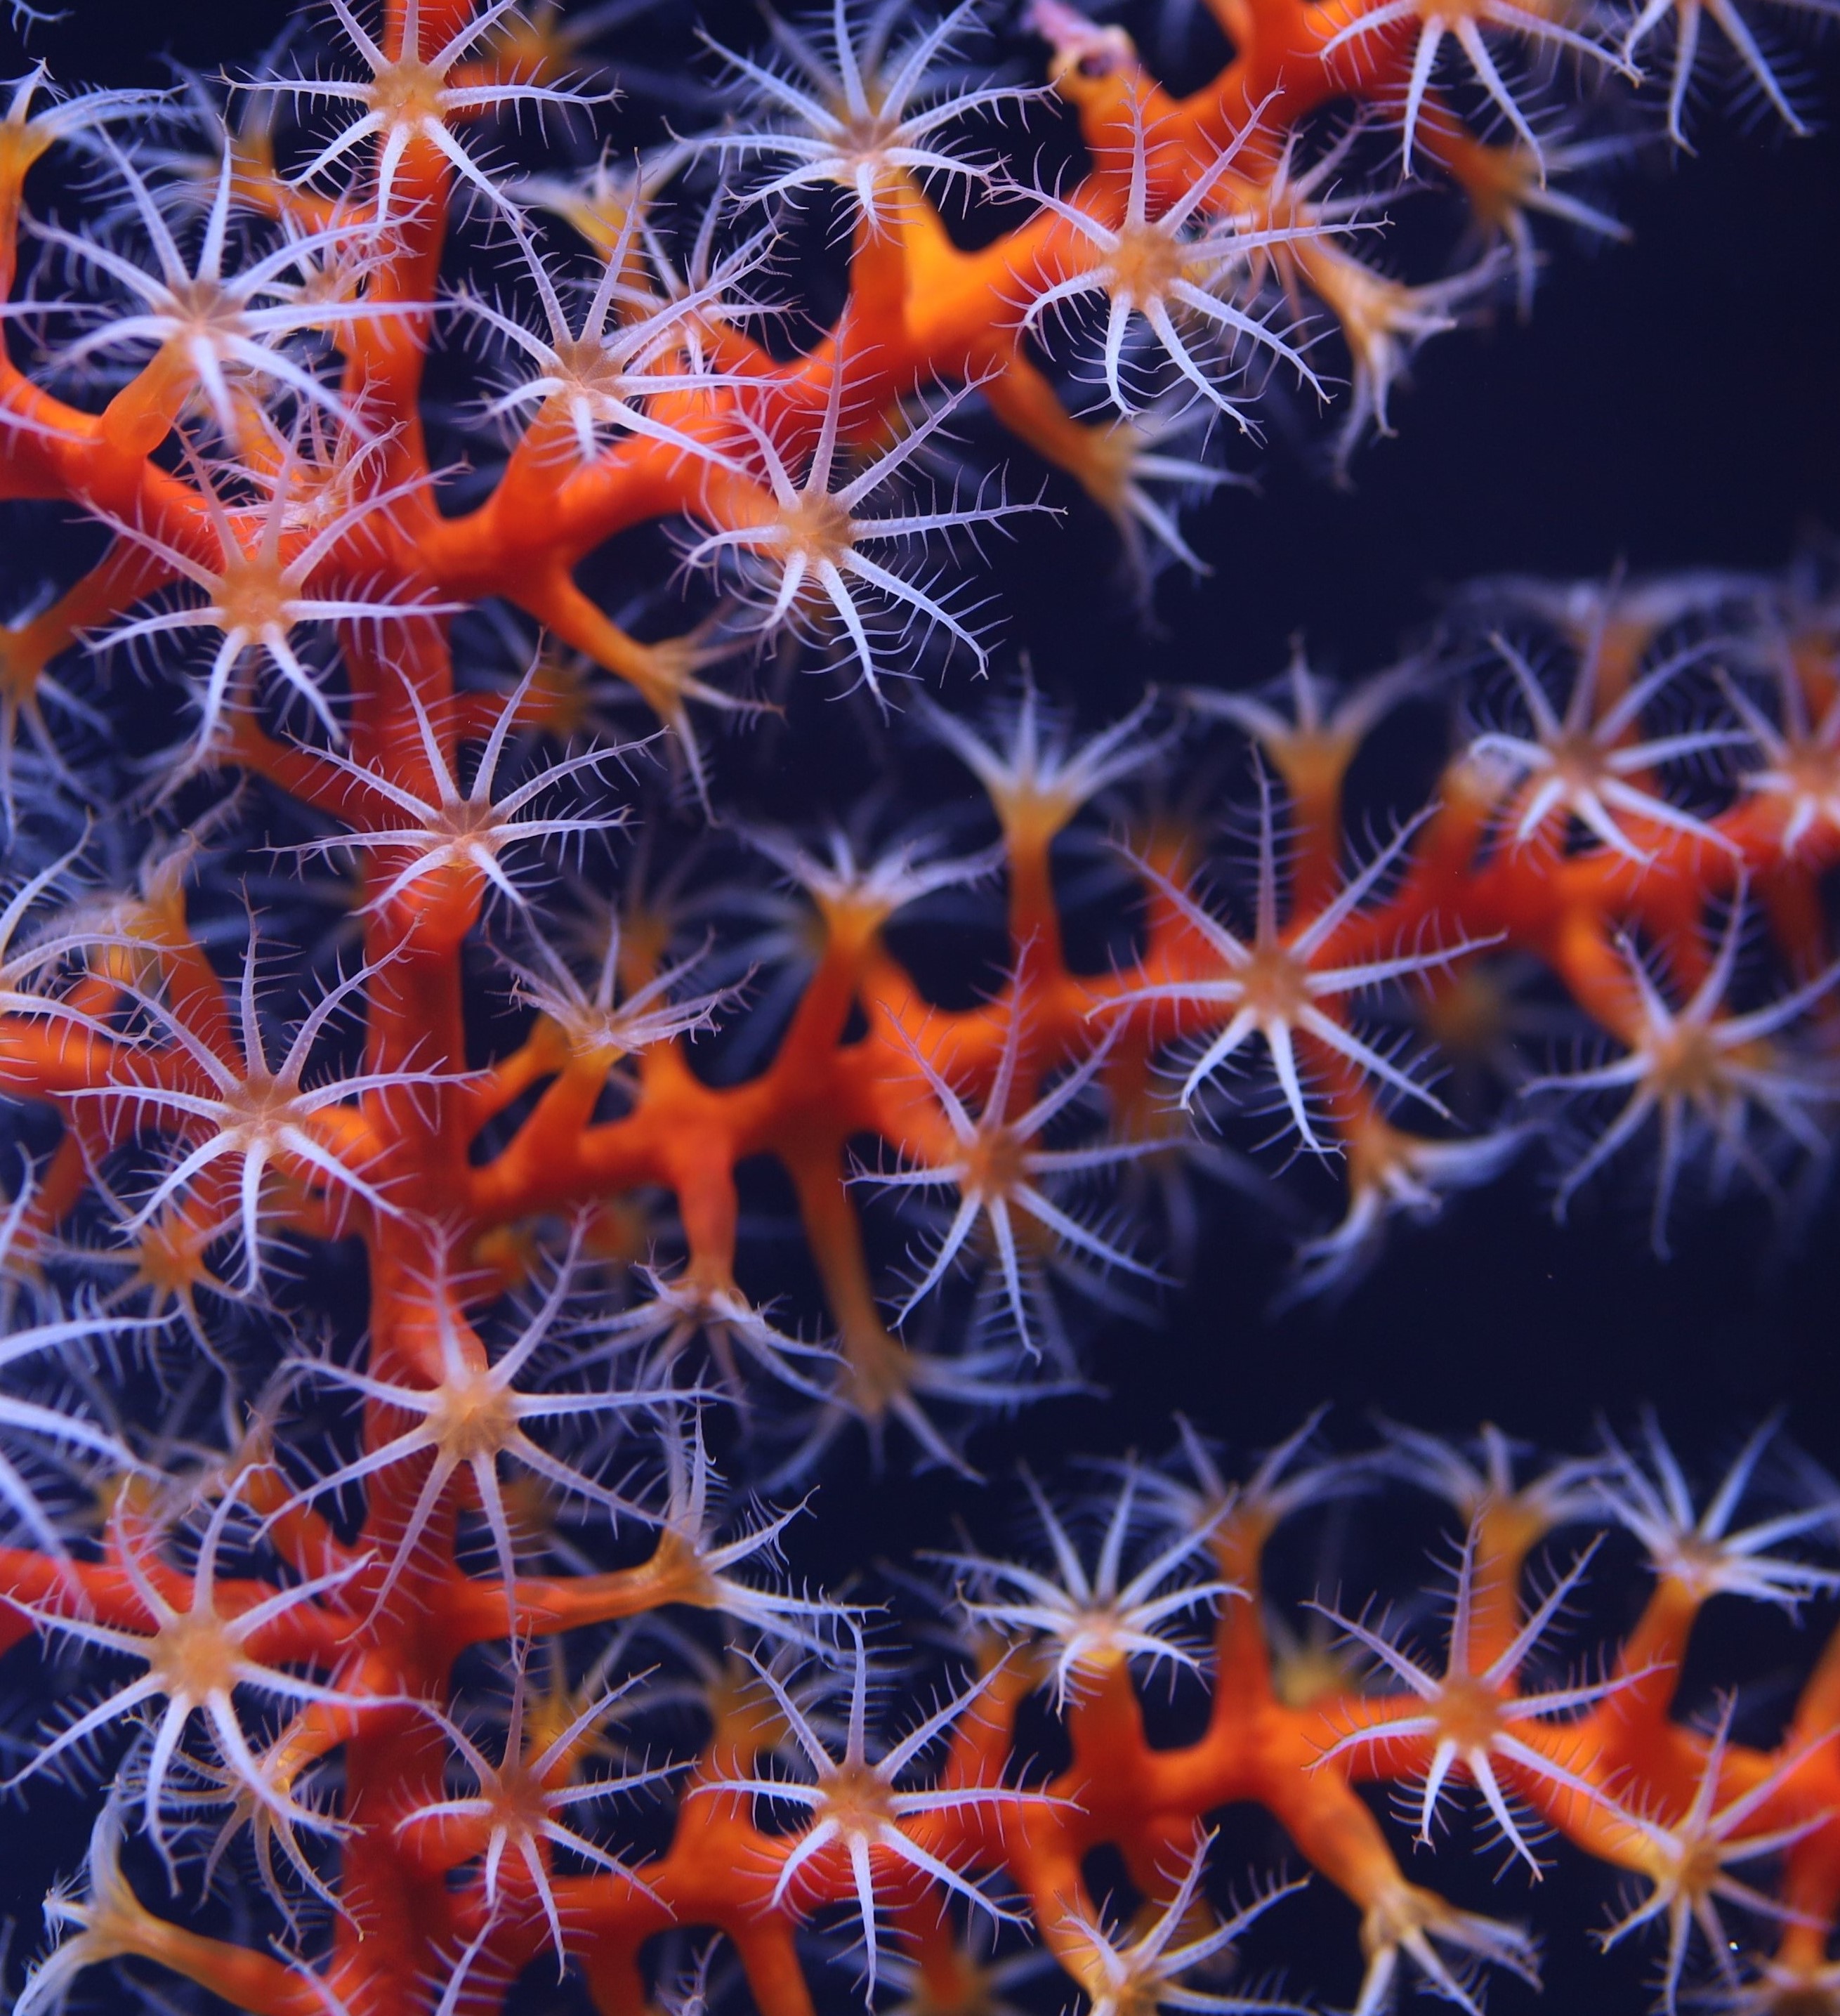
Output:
x,y
1674,403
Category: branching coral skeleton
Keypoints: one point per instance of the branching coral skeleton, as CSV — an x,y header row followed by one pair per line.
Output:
x,y
644,1131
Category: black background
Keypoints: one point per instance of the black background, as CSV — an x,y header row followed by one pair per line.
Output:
x,y
1675,402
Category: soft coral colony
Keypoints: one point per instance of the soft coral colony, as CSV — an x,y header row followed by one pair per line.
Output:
x,y
431,1640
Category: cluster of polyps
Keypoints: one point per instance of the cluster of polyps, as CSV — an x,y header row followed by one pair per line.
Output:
x,y
412,1853
373,1668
